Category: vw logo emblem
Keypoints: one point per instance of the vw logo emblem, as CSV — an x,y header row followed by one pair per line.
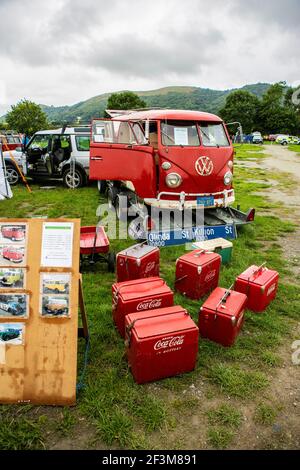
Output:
x,y
204,166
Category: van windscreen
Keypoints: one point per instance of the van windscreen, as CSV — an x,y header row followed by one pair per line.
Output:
x,y
179,133
213,135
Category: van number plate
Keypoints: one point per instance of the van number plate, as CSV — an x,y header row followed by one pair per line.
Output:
x,y
206,201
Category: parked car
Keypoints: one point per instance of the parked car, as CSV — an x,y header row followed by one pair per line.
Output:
x,y
13,232
56,306
282,139
12,307
53,154
57,287
257,138
13,254
273,137
9,334
10,278
291,140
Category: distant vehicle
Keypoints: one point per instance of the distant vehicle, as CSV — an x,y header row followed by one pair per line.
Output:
x,y
257,138
10,140
11,307
273,137
9,334
288,140
11,278
57,287
13,232
53,154
282,139
13,254
56,306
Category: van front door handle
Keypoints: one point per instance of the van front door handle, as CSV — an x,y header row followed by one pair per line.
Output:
x,y
97,158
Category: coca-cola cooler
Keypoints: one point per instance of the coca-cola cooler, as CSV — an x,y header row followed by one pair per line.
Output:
x,y
221,317
259,284
139,295
138,261
197,273
162,343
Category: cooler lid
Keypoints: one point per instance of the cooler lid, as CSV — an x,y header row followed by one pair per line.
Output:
x,y
162,321
231,307
212,244
199,257
146,287
137,251
259,278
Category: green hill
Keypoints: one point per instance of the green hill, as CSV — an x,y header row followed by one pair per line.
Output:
x,y
178,97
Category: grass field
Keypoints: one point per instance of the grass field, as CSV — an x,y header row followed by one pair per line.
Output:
x,y
294,148
112,411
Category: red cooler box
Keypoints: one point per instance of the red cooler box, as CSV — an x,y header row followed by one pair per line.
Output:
x,y
222,316
259,284
162,343
197,273
137,262
139,295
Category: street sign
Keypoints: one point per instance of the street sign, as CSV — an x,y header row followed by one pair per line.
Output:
x,y
182,236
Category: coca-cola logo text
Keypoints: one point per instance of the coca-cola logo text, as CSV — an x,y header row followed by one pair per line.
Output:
x,y
169,342
210,276
150,267
148,304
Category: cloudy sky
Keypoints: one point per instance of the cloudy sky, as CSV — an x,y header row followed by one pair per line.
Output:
x,y
64,51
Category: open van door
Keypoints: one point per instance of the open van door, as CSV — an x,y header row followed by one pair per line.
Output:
x,y
119,151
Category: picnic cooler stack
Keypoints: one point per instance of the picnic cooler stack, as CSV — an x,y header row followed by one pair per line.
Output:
x,y
162,339
197,273
160,344
139,295
138,261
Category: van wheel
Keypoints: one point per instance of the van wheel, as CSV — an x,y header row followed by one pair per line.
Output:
x,y
121,206
74,179
112,196
101,184
12,175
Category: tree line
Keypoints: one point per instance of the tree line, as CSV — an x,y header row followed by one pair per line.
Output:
x,y
278,111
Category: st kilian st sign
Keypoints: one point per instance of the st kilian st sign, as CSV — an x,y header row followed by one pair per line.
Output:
x,y
187,235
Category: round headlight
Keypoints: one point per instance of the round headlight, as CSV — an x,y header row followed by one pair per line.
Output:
x,y
173,180
228,178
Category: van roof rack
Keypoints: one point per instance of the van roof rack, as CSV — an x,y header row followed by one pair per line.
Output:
x,y
122,112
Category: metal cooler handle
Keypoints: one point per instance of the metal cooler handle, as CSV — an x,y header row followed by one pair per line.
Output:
x,y
257,271
224,297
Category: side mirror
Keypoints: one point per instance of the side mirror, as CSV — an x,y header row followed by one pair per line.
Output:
x,y
239,135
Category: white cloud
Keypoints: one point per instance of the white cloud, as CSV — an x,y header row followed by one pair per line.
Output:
x,y
65,51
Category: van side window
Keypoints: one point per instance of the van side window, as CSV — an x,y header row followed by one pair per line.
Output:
x,y
118,132
153,135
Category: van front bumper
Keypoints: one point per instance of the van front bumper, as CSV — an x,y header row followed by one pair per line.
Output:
x,y
221,199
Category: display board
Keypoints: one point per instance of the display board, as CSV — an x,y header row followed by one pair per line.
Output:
x,y
39,291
